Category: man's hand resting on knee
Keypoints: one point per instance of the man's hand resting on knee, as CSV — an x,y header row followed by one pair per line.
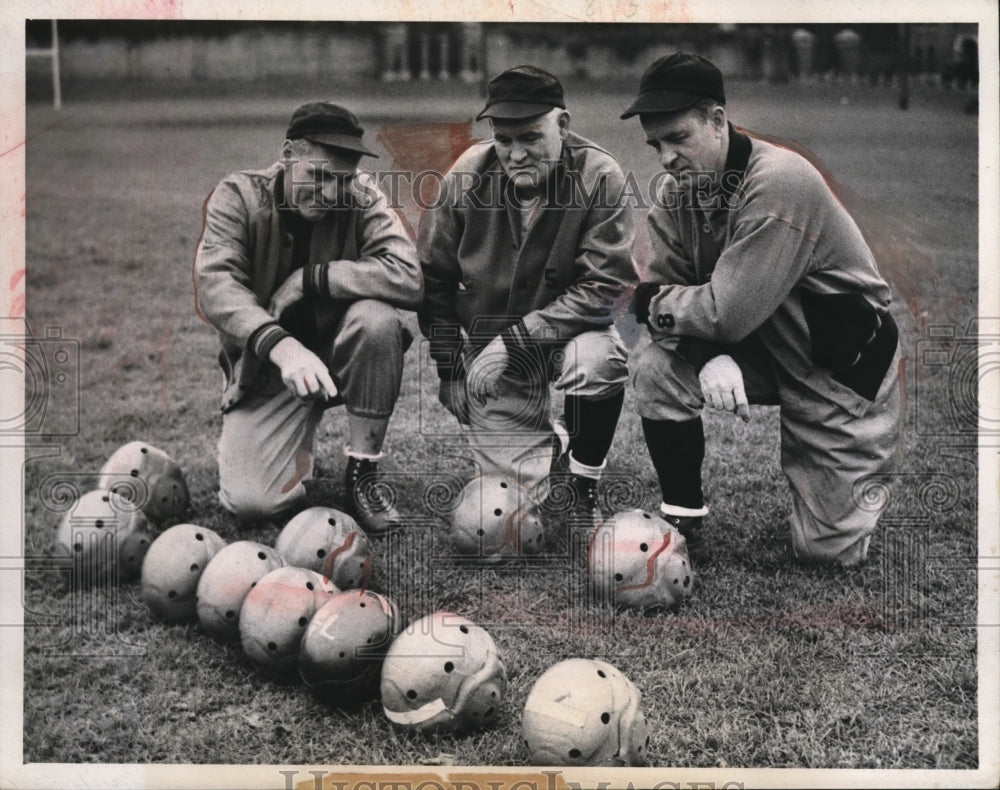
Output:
x,y
304,374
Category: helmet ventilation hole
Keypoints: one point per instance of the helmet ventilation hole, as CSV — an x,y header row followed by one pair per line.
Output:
x,y
574,753
600,673
643,547
134,473
497,511
605,718
172,594
310,586
411,694
272,646
99,523
303,622
464,629
321,553
194,567
230,614
618,577
332,522
448,667
261,555
199,536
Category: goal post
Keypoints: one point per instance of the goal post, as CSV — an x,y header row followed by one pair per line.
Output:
x,y
51,52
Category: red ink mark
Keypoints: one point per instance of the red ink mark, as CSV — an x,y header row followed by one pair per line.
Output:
x,y
16,278
38,133
194,281
148,9
913,273
302,458
512,530
650,567
17,307
417,149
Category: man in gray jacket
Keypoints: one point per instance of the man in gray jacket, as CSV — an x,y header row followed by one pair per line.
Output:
x,y
302,268
760,289
523,255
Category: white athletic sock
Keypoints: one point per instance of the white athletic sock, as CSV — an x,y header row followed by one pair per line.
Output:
x,y
362,456
686,512
593,472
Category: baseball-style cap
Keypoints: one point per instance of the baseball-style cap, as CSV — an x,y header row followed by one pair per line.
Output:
x,y
328,124
677,82
522,92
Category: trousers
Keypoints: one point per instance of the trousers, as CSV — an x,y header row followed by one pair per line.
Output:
x,y
827,453
266,446
513,433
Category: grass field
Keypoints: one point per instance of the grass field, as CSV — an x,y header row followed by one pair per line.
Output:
x,y
770,664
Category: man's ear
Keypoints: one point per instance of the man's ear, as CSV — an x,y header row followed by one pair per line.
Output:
x,y
563,121
286,149
718,117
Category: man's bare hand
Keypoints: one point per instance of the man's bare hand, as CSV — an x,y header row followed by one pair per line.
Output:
x,y
303,373
722,385
483,379
452,396
288,293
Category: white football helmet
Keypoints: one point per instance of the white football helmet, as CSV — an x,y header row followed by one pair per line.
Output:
x,y
172,567
329,542
636,559
275,614
494,518
443,673
584,712
225,582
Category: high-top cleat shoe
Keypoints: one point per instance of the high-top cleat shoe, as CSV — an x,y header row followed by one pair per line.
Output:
x,y
691,528
570,505
372,500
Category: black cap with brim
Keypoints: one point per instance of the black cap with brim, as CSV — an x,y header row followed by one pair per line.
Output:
x,y
677,82
328,124
342,141
514,111
661,101
522,92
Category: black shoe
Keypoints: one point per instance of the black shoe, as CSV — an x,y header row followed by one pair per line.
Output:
x,y
571,505
691,528
372,500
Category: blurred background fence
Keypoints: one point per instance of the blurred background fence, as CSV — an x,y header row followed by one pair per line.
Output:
x,y
247,53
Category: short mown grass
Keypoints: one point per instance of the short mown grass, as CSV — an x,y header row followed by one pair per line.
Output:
x,y
770,664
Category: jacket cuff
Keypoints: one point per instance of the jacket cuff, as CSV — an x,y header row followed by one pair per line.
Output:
x,y
698,352
264,338
644,293
316,280
516,336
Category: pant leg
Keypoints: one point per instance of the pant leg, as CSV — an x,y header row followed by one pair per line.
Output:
x,y
667,387
265,452
365,357
592,365
827,454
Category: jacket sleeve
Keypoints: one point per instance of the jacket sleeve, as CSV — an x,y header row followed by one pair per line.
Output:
x,y
223,274
386,267
670,264
603,267
437,244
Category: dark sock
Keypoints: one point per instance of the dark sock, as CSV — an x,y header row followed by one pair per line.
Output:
x,y
591,425
677,450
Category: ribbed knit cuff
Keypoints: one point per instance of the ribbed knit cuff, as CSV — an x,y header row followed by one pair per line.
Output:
x,y
316,280
516,336
264,338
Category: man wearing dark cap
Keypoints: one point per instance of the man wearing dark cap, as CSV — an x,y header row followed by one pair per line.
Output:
x,y
760,289
302,269
522,258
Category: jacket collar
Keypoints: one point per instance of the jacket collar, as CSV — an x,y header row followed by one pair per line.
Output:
x,y
737,159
